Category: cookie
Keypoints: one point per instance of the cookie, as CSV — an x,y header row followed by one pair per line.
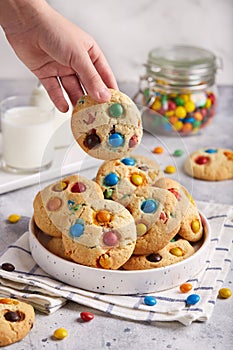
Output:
x,y
55,246
119,178
107,130
16,320
102,235
172,253
191,226
157,217
211,164
54,204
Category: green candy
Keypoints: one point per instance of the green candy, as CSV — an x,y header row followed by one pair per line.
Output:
x,y
108,193
178,153
196,124
179,101
116,110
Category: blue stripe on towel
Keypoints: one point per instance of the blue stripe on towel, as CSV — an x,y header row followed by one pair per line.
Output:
x,y
20,248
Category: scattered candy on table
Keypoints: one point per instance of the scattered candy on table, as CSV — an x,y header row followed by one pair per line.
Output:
x,y
8,267
224,293
192,299
185,287
170,169
158,150
178,153
60,333
86,316
13,218
150,300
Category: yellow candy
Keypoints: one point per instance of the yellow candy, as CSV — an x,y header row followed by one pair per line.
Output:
x,y
169,113
189,106
141,229
14,218
156,105
136,179
170,169
225,293
180,112
195,226
176,251
60,333
60,186
178,125
208,103
185,97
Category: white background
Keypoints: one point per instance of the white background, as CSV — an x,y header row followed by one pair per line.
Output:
x,y
127,30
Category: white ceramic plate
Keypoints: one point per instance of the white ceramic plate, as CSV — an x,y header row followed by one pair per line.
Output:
x,y
118,281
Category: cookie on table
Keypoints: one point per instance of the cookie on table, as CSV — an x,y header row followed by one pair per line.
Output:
x,y
55,203
102,235
107,130
16,320
191,225
119,178
172,253
157,217
211,164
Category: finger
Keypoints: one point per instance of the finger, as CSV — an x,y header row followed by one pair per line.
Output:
x,y
73,87
54,91
90,78
103,68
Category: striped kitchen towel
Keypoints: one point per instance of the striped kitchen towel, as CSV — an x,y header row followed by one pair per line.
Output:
x,y
30,283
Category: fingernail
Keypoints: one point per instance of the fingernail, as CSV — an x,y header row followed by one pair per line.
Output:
x,y
104,95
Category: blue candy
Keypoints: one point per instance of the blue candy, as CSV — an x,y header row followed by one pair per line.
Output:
x,y
77,229
149,300
149,206
111,179
116,140
128,161
192,299
211,150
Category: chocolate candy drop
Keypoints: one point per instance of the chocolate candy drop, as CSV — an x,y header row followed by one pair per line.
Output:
x,y
8,267
92,141
12,316
155,257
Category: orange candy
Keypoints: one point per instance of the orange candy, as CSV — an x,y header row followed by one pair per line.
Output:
x,y
103,216
158,150
185,287
187,127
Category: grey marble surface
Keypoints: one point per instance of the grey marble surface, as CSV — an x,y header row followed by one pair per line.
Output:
x,y
113,333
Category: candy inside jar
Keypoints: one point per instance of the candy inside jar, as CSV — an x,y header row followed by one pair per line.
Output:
x,y
178,93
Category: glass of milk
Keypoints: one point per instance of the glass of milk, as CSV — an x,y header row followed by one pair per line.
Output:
x,y
27,135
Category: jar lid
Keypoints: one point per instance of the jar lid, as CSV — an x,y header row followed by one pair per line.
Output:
x,y
182,65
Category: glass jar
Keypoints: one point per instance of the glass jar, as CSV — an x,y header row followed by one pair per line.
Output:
x,y
178,91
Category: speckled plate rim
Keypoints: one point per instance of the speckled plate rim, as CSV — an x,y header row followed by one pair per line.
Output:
x,y
120,281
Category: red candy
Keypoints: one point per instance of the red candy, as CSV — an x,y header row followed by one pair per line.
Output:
x,y
175,192
133,141
78,187
202,160
86,316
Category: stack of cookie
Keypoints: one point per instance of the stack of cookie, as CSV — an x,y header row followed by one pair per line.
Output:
x,y
166,217
83,226
129,215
